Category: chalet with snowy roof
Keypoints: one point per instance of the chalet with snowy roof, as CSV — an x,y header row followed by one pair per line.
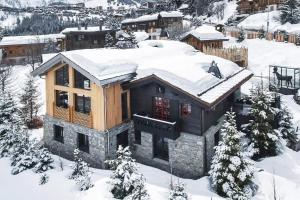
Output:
x,y
86,37
24,49
252,6
156,25
203,37
164,99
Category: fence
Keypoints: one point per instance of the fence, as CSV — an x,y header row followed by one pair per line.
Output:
x,y
279,37
237,55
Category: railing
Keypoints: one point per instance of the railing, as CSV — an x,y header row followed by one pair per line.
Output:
x,y
170,130
70,115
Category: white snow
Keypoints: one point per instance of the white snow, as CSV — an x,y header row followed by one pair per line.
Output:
x,y
89,29
153,16
30,39
175,62
9,20
259,21
141,36
229,11
206,32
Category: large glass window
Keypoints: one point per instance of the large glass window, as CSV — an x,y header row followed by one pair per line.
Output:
x,y
81,81
62,99
83,142
185,109
62,76
160,147
82,103
58,133
124,106
161,108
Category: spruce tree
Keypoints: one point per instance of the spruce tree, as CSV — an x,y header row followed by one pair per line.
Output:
x,y
78,166
286,128
290,12
231,170
177,191
44,161
265,140
109,40
30,102
125,181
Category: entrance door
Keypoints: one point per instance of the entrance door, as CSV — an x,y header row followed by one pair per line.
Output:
x,y
122,139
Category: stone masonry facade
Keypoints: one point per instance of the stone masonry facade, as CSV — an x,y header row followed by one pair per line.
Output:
x,y
102,145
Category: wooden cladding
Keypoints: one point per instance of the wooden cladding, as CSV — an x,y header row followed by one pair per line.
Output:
x,y
70,115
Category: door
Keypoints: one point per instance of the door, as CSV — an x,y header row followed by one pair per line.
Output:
x,y
122,139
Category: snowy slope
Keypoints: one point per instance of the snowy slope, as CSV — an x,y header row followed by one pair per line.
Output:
x,y
230,10
259,20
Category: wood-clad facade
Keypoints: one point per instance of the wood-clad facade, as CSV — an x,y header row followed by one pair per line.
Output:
x,y
202,44
252,6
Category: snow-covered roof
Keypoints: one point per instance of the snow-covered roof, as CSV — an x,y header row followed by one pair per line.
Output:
x,y
153,17
30,39
206,32
141,36
174,62
82,29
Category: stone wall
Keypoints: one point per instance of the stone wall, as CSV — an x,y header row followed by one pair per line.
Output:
x,y
98,141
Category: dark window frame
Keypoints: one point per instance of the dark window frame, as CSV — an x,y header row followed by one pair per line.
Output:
x,y
160,147
185,109
58,133
79,81
62,76
161,108
86,104
83,142
137,137
61,102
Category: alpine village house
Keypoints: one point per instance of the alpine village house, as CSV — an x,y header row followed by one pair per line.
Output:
x,y
164,99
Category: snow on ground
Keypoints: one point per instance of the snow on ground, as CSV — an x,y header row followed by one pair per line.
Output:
x,y
259,21
9,20
230,10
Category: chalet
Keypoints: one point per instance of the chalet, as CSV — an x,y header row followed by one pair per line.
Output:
x,y
155,25
253,6
25,49
86,37
203,37
165,99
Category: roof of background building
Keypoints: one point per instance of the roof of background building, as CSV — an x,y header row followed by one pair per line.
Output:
x,y
206,32
153,17
30,39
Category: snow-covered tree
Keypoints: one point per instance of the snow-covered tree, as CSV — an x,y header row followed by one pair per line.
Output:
x,y
81,172
125,181
177,191
112,23
30,102
44,179
127,40
109,40
286,128
231,170
44,161
290,12
265,140
241,36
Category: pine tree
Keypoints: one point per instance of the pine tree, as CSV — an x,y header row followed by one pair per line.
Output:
x,y
44,179
109,40
241,36
126,182
286,128
265,140
177,191
44,160
112,23
132,39
290,12
30,102
81,173
231,170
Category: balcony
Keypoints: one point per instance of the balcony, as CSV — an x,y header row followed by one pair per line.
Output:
x,y
169,130
70,115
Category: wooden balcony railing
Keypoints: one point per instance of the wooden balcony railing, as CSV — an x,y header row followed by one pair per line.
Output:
x,y
169,130
70,115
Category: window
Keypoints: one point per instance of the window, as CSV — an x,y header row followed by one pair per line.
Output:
x,y
58,133
83,142
62,76
161,108
122,139
124,97
160,89
81,81
160,147
95,41
80,37
82,103
137,137
62,99
185,109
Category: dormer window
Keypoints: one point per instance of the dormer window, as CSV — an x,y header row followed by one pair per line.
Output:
x,y
81,81
62,76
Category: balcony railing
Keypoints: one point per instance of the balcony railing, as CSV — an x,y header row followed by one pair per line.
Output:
x,y
169,130
70,115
